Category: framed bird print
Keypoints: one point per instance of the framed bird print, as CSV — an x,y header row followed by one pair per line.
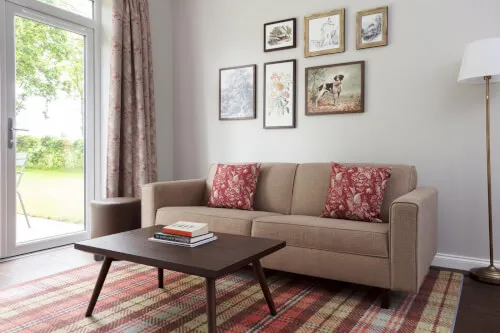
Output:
x,y
280,35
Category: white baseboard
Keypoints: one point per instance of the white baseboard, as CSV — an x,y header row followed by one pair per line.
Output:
x,y
460,262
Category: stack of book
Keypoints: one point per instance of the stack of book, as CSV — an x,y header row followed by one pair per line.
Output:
x,y
183,233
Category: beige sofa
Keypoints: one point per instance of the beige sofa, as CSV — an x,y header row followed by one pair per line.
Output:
x,y
289,199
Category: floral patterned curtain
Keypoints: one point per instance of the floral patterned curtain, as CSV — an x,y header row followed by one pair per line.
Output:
x,y
131,156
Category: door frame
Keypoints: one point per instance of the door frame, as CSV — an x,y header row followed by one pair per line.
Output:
x,y
46,14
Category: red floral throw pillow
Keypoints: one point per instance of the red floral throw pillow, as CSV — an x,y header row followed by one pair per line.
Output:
x,y
234,186
356,193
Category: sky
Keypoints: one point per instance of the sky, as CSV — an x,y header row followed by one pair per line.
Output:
x,y
64,118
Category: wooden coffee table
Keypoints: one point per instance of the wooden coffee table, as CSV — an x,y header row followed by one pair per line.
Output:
x,y
227,254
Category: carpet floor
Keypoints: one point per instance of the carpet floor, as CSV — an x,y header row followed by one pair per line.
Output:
x,y
131,302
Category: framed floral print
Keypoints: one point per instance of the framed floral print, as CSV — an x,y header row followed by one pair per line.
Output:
x,y
371,28
324,33
280,94
280,35
237,92
335,89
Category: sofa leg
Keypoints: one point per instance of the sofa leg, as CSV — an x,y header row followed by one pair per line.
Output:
x,y
386,299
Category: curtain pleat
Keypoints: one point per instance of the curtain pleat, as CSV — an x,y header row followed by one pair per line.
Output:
x,y
131,155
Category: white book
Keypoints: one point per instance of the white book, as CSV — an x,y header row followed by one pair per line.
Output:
x,y
205,241
186,228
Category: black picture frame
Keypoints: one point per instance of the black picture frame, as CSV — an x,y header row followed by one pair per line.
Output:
x,y
294,35
253,114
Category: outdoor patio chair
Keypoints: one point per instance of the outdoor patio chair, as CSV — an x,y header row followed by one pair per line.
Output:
x,y
21,159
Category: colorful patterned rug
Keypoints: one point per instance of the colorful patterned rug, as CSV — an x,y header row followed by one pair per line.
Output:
x,y
131,302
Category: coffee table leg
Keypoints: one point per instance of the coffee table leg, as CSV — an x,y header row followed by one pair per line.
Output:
x,y
160,278
211,305
259,273
98,285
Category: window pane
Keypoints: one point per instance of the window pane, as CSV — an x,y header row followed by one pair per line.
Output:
x,y
50,105
80,7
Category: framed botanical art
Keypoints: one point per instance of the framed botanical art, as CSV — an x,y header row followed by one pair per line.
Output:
x,y
280,35
334,89
371,28
280,94
324,33
237,92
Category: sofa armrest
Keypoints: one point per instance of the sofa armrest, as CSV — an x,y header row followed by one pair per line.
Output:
x,y
413,238
172,193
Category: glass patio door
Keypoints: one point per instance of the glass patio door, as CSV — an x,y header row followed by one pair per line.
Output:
x,y
49,102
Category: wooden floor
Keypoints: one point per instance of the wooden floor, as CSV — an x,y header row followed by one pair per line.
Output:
x,y
479,309
38,265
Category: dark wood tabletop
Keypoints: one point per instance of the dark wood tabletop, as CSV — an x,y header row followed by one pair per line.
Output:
x,y
212,260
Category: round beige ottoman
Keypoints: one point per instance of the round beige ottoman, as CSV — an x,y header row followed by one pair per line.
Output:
x,y
114,215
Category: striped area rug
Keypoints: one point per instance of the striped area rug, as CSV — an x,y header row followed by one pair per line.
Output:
x,y
131,302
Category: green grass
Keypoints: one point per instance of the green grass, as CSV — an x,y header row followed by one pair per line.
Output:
x,y
53,194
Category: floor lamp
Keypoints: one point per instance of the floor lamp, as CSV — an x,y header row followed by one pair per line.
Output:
x,y
481,65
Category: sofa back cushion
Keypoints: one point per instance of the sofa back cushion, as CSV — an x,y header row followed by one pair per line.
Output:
x,y
312,181
274,187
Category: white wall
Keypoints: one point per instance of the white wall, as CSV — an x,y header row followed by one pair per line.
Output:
x,y
416,113
161,16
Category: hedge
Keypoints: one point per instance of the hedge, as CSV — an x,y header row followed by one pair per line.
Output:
x,y
50,152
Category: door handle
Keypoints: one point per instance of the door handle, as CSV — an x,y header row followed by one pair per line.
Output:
x,y
11,129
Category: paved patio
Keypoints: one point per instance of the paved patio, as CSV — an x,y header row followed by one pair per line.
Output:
x,y
43,228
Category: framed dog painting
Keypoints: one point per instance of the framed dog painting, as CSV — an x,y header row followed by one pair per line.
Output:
x,y
237,92
334,89
324,33
279,94
280,35
371,28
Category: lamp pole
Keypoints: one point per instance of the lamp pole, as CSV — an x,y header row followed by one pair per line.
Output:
x,y
488,274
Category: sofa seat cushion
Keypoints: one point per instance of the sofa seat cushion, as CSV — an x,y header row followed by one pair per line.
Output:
x,y
231,221
362,238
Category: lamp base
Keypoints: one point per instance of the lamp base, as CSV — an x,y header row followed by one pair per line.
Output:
x,y
489,274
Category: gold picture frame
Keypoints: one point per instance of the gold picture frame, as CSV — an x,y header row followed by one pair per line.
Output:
x,y
316,41
372,28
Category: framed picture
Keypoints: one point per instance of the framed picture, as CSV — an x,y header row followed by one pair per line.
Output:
x,y
335,89
237,92
324,33
280,94
371,28
280,35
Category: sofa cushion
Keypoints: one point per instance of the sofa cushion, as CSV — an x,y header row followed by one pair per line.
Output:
x,y
362,238
356,193
312,181
234,186
231,221
274,187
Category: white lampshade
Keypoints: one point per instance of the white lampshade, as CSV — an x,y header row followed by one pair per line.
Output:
x,y
481,58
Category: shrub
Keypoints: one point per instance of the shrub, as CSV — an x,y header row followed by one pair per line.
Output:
x,y
51,152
